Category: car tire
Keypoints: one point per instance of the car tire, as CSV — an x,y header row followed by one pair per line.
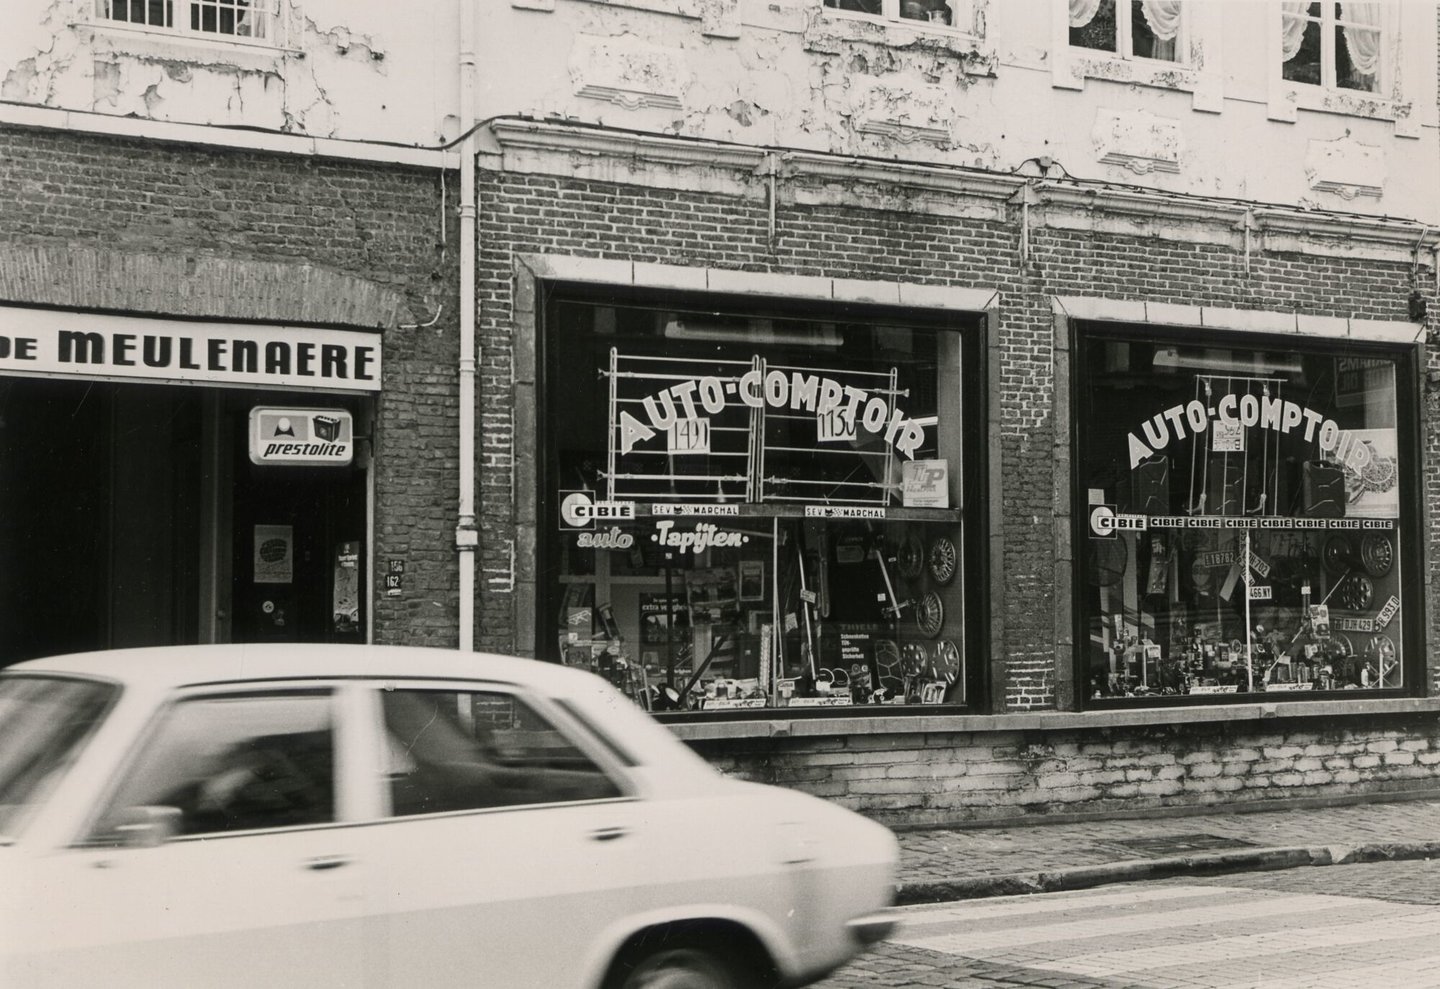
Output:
x,y
681,967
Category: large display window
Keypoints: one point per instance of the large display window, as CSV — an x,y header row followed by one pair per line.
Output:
x,y
748,509
1247,517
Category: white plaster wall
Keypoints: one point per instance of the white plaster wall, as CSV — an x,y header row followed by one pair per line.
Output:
x,y
781,73
773,73
351,69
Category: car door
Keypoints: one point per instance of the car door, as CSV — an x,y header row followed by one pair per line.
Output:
x,y
247,880
505,847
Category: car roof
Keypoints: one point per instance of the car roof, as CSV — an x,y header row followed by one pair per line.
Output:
x,y
177,666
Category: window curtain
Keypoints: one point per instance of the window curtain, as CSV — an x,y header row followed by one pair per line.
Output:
x,y
1082,12
1293,28
1362,35
1163,18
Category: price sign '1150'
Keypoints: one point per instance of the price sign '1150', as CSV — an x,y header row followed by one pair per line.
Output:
x,y
834,426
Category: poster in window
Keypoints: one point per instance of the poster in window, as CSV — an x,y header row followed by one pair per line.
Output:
x,y
925,484
656,611
274,554
346,590
752,580
1372,490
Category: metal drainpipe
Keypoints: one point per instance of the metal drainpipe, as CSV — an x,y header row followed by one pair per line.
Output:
x,y
467,536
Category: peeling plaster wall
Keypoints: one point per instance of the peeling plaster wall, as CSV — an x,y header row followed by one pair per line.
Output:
x,y
785,73
349,69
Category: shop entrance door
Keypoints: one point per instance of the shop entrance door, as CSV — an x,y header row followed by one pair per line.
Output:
x,y
297,554
297,549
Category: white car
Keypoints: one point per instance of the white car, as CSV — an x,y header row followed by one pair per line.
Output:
x,y
361,816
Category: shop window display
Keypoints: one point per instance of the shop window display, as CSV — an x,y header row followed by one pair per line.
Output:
x,y
1244,526
757,511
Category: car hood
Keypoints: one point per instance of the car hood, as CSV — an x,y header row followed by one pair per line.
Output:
x,y
819,822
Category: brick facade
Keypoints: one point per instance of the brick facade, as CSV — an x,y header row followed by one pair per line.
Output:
x,y
167,229
914,777
527,214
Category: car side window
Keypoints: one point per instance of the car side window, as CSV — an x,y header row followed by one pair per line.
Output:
x,y
227,763
468,750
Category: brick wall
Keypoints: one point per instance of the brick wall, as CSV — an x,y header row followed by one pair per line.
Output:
x,y
524,214
940,778
363,222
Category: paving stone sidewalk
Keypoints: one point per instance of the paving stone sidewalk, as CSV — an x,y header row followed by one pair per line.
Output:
x,y
963,863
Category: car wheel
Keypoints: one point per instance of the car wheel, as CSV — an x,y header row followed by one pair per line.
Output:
x,y
686,967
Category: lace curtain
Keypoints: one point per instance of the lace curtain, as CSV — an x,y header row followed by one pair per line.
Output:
x,y
1082,12
1362,35
1294,28
1162,17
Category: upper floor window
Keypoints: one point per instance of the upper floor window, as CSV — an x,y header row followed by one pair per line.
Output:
x,y
1148,29
255,20
945,13
1332,44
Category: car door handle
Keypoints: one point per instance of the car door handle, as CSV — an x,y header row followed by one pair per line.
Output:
x,y
609,834
322,862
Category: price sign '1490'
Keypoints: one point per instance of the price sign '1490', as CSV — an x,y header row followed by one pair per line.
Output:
x,y
690,436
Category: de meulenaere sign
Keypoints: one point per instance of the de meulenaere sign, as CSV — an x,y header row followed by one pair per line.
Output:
x,y
57,343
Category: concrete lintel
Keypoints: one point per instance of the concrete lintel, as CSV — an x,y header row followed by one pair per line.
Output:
x,y
735,282
918,296
670,276
860,290
570,268
1253,320
1309,325
730,281
1090,307
1386,330
1168,314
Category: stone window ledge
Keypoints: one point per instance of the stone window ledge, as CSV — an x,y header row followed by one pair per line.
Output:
x,y
778,726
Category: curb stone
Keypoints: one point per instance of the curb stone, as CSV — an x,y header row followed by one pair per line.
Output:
x,y
1139,870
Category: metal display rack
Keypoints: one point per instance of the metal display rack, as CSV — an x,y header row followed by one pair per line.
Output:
x,y
640,384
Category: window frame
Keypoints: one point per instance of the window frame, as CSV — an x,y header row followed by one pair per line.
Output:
x,y
1196,70
1393,102
373,753
970,512
967,15
276,14
1088,333
1329,20
345,792
1125,40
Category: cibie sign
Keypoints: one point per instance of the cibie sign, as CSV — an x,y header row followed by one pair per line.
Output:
x,y
313,437
1105,522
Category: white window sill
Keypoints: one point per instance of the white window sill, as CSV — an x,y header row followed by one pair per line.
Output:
x,y
134,39
1076,65
1287,99
847,26
776,723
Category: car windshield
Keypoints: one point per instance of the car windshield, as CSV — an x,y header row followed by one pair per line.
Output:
x,y
43,721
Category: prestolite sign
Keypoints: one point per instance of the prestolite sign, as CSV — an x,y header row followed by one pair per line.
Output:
x,y
56,343
302,437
